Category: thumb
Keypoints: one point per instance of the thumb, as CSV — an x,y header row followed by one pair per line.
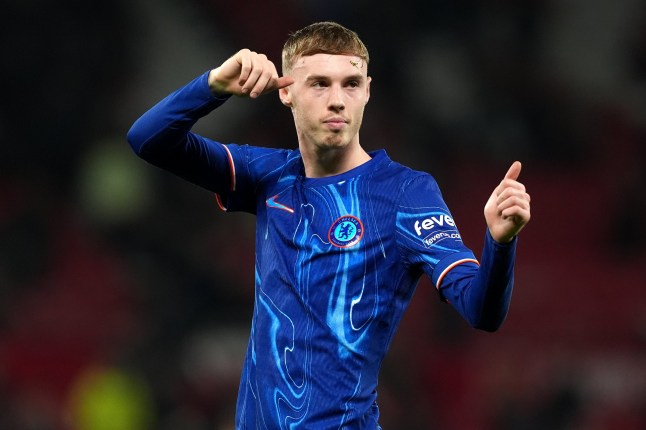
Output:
x,y
514,171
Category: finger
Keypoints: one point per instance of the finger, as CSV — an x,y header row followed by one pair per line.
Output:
x,y
506,188
284,81
266,80
253,73
515,190
245,70
514,171
510,179
517,215
523,199
513,202
270,83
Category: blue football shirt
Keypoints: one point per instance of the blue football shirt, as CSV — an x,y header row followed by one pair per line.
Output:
x,y
337,262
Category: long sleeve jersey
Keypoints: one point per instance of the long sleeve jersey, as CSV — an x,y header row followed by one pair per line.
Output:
x,y
337,261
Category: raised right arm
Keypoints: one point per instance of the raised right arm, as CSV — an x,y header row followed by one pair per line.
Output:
x,y
162,135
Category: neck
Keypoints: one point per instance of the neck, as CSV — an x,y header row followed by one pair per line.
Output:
x,y
324,162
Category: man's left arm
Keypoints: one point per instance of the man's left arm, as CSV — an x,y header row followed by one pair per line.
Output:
x,y
482,295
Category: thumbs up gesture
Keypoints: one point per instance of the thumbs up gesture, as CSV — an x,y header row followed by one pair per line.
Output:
x,y
508,209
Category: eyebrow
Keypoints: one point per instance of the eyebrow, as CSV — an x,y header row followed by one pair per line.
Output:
x,y
355,77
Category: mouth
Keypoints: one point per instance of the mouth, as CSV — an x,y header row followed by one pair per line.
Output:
x,y
335,123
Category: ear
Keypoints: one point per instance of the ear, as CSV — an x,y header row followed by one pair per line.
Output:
x,y
368,89
285,96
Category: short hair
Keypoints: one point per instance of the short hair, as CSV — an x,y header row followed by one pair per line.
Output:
x,y
325,37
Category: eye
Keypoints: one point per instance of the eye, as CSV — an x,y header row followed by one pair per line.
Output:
x,y
353,84
319,84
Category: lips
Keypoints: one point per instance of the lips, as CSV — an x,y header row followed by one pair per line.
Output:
x,y
335,122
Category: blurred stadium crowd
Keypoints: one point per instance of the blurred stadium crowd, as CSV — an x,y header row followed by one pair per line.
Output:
x,y
126,296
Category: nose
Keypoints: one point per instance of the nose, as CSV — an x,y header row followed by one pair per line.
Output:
x,y
335,100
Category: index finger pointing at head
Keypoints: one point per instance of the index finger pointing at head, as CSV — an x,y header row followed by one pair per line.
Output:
x,y
284,81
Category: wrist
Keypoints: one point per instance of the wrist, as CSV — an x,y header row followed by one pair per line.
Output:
x,y
502,240
214,86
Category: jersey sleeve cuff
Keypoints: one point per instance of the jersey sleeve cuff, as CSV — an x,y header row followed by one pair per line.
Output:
x,y
206,90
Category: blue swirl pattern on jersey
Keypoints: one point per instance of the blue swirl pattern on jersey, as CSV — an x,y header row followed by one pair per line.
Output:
x,y
325,314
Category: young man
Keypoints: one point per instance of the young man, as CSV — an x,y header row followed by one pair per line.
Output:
x,y
343,235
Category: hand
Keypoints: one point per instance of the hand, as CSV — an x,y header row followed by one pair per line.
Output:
x,y
508,209
247,73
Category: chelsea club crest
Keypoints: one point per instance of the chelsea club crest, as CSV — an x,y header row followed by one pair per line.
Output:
x,y
346,231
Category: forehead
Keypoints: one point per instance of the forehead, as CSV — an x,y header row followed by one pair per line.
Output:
x,y
329,64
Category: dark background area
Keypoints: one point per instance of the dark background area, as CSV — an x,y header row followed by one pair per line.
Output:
x,y
126,296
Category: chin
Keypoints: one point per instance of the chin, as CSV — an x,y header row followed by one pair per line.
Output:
x,y
339,140
334,144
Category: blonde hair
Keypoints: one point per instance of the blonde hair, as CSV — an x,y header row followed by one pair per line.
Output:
x,y
325,37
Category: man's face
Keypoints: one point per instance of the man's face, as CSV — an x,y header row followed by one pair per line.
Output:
x,y
327,99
